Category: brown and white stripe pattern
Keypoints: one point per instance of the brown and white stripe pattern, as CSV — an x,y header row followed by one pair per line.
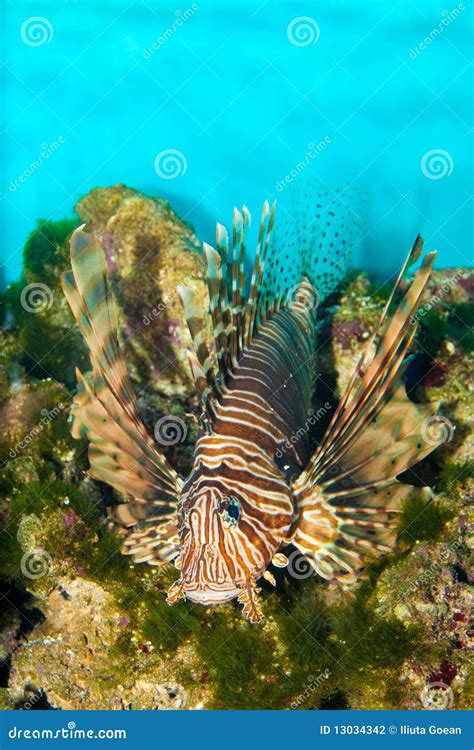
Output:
x,y
220,554
238,506
257,411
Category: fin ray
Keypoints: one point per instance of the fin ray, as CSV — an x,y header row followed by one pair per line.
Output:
x,y
375,434
121,452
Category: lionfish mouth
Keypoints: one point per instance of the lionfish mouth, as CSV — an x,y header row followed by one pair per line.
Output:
x,y
217,593
212,594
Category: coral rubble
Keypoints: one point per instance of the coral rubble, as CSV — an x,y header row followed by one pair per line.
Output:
x,y
82,627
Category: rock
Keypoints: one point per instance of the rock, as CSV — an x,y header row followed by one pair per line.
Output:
x,y
103,636
71,658
34,422
10,623
447,286
150,251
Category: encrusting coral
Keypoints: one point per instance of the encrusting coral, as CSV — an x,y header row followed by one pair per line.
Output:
x,y
82,627
150,251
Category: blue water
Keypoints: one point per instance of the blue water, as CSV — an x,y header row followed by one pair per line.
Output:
x,y
106,93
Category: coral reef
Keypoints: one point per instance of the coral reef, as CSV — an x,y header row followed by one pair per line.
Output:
x,y
82,627
150,251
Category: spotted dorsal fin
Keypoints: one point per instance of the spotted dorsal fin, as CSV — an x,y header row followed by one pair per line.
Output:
x,y
300,259
317,229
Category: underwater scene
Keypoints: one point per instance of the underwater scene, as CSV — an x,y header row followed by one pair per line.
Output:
x,y
236,359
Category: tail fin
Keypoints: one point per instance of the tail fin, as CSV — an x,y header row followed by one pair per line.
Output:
x,y
121,452
348,496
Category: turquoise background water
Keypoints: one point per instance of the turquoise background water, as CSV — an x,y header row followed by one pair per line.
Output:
x,y
228,88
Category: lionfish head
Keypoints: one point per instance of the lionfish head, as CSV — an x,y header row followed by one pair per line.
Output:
x,y
220,555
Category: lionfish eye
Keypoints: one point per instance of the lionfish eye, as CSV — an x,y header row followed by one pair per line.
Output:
x,y
230,509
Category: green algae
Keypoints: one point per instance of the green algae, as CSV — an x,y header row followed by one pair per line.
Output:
x,y
242,666
42,340
423,519
453,477
361,646
454,323
45,254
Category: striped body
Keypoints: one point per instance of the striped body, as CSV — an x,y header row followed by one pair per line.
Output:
x,y
256,485
255,416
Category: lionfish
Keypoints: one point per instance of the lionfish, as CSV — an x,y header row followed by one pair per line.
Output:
x,y
253,489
